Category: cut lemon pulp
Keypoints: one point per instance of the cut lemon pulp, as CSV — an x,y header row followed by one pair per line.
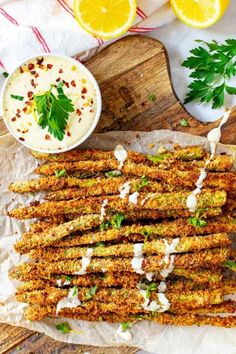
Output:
x,y
199,13
105,18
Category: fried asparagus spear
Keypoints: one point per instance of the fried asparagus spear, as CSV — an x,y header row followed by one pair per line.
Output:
x,y
186,154
56,236
157,201
37,313
203,259
159,246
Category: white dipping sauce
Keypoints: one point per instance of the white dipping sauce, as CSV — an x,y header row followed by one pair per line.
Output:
x,y
70,301
121,155
133,198
168,258
124,334
137,260
85,261
35,77
124,190
103,209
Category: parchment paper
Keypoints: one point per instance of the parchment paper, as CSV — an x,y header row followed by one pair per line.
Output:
x,y
17,164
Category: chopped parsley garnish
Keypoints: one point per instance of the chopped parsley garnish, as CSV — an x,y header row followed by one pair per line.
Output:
x,y
117,220
152,97
158,158
16,97
115,173
196,222
100,244
5,74
68,278
212,65
184,123
60,173
143,183
230,265
64,327
74,291
105,225
53,110
91,292
125,326
151,287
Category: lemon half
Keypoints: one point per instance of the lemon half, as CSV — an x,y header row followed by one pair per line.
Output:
x,y
199,13
105,19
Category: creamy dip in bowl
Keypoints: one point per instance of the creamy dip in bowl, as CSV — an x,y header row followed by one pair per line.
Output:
x,y
51,103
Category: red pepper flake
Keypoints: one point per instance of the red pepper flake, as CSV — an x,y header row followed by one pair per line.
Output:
x,y
68,133
60,71
18,110
34,203
91,110
33,83
21,70
84,90
73,83
78,112
30,94
66,83
83,97
24,109
40,61
58,79
13,119
30,66
21,139
41,66
18,130
80,120
36,75
47,137
18,115
91,101
49,66
33,72
26,102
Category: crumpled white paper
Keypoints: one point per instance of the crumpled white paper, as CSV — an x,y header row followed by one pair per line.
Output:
x,y
17,164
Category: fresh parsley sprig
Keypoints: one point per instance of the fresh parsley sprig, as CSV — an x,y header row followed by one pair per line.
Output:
x,y
53,108
212,65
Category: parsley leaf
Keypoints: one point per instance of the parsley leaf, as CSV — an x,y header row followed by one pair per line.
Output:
x,y
91,292
60,173
151,287
184,123
64,327
117,220
16,97
212,65
5,74
158,158
152,97
196,222
125,326
104,225
144,182
53,109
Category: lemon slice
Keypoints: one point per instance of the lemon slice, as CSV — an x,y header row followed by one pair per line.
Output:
x,y
105,19
199,13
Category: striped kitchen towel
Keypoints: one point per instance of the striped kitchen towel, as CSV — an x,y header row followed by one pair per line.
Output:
x,y
29,27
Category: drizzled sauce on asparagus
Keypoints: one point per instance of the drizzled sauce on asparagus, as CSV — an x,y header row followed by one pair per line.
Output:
x,y
85,261
103,209
213,137
121,155
71,301
137,260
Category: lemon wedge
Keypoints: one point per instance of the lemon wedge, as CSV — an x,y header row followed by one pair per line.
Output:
x,y
199,13
105,19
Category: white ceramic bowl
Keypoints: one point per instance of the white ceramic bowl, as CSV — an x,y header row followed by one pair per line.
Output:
x,y
98,99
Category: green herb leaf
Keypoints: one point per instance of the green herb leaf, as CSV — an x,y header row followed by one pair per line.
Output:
x,y
5,74
156,159
16,97
64,327
125,326
151,287
74,291
230,264
60,173
184,123
211,65
115,173
152,97
196,222
117,220
105,225
68,278
146,232
144,182
53,110
91,292
100,244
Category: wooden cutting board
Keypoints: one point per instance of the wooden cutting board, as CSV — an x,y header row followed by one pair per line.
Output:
x,y
127,72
